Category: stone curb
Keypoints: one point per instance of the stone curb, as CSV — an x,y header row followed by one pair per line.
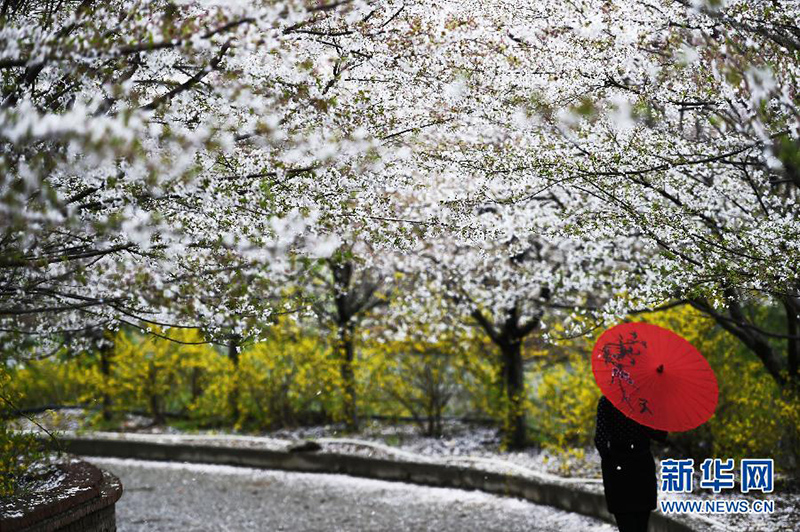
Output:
x,y
566,497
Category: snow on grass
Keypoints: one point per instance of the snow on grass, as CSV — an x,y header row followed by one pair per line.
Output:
x,y
217,440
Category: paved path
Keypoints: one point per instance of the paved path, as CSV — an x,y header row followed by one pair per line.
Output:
x,y
192,497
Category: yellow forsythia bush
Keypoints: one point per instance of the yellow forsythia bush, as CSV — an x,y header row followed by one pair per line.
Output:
x,y
17,450
755,418
566,404
564,394
293,377
413,378
290,378
155,375
50,381
479,373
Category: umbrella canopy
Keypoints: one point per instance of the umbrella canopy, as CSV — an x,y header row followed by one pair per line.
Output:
x,y
655,377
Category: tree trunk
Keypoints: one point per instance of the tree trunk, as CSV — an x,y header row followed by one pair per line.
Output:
x,y
195,384
105,370
233,393
346,310
514,384
430,404
347,354
793,343
156,408
508,337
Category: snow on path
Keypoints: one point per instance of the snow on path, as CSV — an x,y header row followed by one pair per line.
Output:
x,y
194,497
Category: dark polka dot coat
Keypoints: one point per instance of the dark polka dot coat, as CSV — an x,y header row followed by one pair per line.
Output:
x,y
629,471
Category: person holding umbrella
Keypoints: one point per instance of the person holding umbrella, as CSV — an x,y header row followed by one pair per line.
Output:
x,y
653,381
629,471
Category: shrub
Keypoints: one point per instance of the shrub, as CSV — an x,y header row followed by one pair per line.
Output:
x,y
755,418
17,450
565,404
153,374
291,378
415,378
59,380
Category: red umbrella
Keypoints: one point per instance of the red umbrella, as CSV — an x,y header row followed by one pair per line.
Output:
x,y
655,377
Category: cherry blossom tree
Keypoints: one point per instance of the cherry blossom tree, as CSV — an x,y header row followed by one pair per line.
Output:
x,y
167,162
145,149
683,117
671,127
518,290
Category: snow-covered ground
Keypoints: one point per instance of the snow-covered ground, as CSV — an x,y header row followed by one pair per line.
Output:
x,y
175,496
466,445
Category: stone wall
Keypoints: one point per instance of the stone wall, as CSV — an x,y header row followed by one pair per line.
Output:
x,y
82,500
